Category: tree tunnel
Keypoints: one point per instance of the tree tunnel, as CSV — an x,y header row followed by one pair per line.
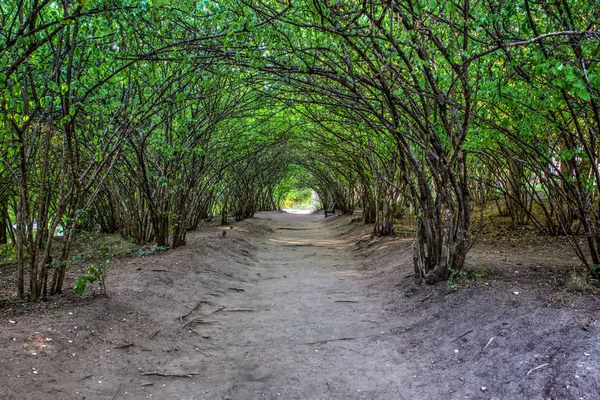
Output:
x,y
148,118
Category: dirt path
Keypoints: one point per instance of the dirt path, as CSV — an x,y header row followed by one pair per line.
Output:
x,y
295,307
314,331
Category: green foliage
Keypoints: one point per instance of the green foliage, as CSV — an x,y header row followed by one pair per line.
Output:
x,y
454,278
94,274
298,198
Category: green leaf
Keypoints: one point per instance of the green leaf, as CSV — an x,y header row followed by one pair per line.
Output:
x,y
418,7
595,80
583,94
80,285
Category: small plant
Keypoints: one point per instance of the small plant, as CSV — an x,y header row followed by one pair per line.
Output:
x,y
76,257
453,278
104,249
94,274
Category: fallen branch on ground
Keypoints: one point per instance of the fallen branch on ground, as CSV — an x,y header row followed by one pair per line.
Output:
x,y
335,340
169,375
199,321
463,335
536,368
192,310
489,342
117,392
424,298
154,334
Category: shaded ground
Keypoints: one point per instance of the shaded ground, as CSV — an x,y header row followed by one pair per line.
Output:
x,y
296,307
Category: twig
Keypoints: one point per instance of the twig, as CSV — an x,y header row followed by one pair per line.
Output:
x,y
198,321
463,335
346,301
124,346
192,310
334,340
236,289
188,375
424,298
536,368
218,309
86,377
117,392
489,342
238,309
154,334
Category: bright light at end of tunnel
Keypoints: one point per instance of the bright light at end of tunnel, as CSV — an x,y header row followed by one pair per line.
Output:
x,y
292,211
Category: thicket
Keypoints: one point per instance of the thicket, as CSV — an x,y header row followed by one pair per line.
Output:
x,y
146,118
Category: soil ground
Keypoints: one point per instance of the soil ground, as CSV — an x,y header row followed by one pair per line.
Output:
x,y
301,307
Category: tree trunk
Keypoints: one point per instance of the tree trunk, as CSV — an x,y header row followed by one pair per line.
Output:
x,y
3,223
516,199
368,208
224,212
443,226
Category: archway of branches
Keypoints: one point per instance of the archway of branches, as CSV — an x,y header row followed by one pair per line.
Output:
x,y
146,119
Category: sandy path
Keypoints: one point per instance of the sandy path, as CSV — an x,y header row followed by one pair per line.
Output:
x,y
314,332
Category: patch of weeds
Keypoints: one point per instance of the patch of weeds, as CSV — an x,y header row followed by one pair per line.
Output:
x,y
149,251
94,274
578,280
100,245
455,276
479,273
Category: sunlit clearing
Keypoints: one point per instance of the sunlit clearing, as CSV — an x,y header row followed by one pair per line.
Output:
x,y
298,211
